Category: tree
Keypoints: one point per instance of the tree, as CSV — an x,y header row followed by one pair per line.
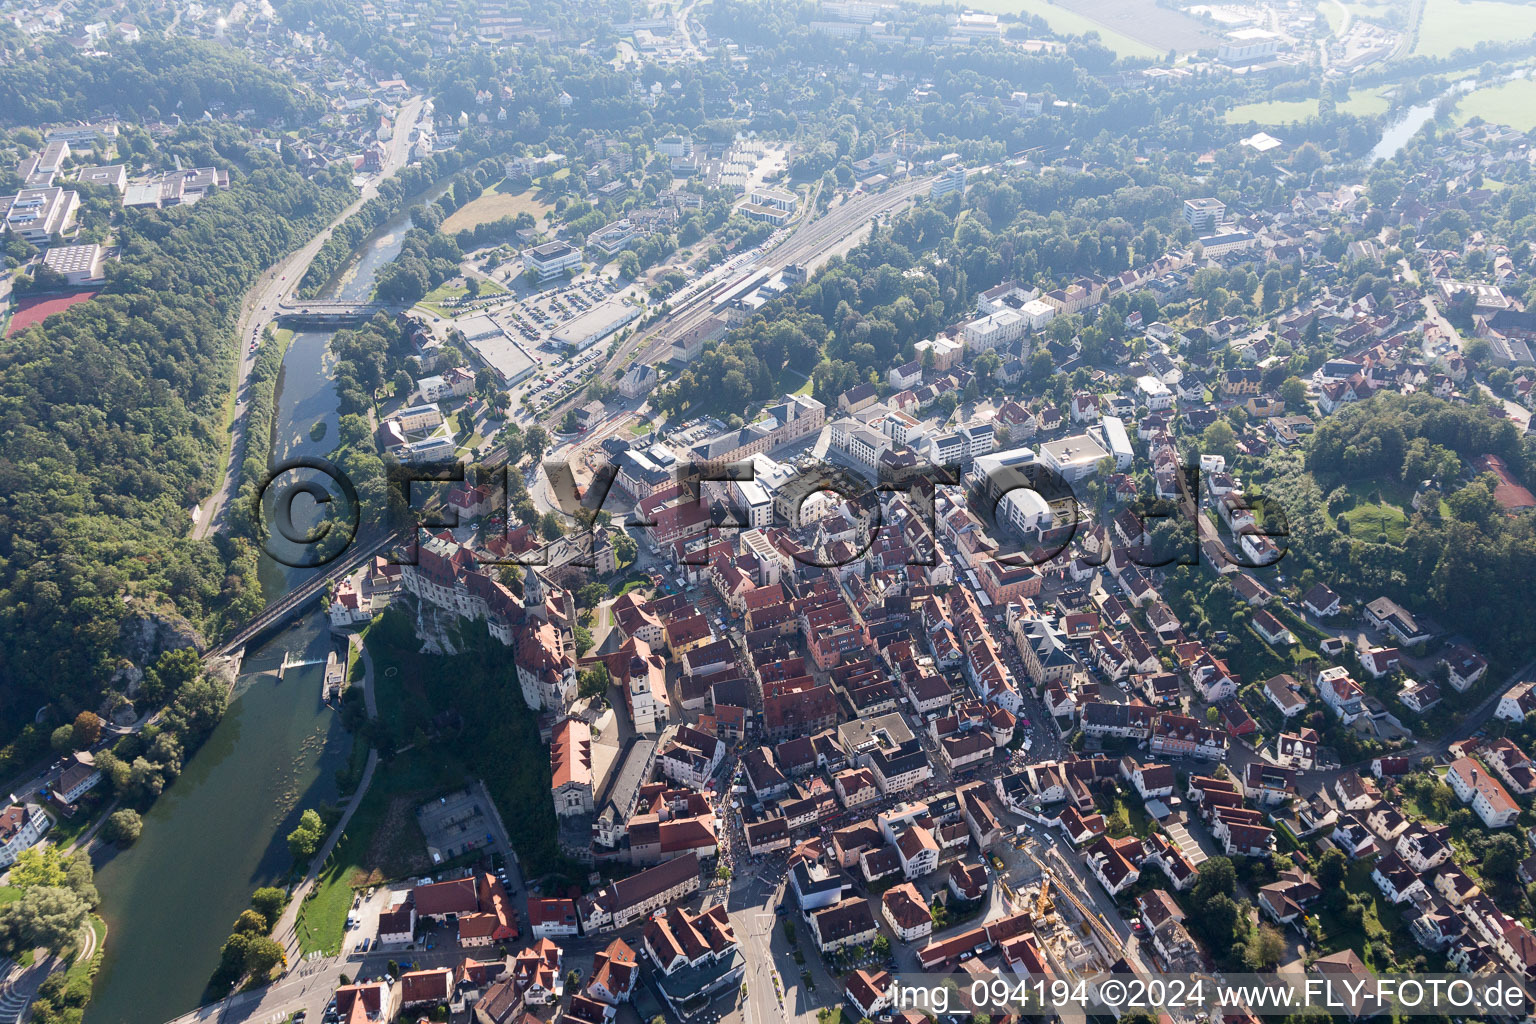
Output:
x,y
46,915
261,955
1294,391
1216,877
251,922
63,739
87,729
1222,921
304,840
1219,439
268,901
403,384
882,946
81,878
124,827
1264,950
1332,869
535,440
592,682
1502,856
39,866
624,548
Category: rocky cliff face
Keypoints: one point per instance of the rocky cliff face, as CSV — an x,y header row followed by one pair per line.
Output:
x,y
146,633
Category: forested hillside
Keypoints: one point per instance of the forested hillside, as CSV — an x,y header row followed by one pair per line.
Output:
x,y
114,413
153,80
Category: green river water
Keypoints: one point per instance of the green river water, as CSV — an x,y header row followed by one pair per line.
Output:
x,y
220,830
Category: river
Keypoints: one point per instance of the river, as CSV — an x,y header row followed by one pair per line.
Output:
x,y
1415,117
219,831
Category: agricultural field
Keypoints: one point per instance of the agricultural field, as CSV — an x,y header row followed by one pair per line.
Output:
x,y
1391,13
1451,25
1161,28
493,205
1509,103
1069,22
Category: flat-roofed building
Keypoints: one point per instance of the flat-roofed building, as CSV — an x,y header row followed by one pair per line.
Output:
x,y
76,264
1075,458
1204,214
551,259
778,198
114,175
37,214
595,324
419,417
767,214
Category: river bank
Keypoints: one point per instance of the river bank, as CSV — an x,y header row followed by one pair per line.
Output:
x,y
217,833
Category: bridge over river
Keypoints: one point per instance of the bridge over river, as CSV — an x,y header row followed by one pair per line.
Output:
x,y
305,594
332,314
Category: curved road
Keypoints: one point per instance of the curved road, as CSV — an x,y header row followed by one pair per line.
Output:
x,y
264,297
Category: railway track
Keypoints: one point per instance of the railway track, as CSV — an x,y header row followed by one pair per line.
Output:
x,y
809,240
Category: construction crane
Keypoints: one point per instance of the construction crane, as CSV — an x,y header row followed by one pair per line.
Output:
x,y
1044,908
1106,934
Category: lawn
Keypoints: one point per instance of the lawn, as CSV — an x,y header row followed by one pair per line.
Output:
x,y
492,205
66,830
1376,523
1370,10
1364,103
1067,22
438,298
1368,102
1127,817
382,842
1332,14
1273,112
1334,932
9,894
1451,25
1511,103
1380,507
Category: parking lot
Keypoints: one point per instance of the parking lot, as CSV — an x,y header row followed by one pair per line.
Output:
x,y
454,825
537,315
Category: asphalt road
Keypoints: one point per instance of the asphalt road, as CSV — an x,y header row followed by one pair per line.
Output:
x,y
260,305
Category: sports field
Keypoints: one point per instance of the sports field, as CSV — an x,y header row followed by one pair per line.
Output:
x,y
35,310
494,205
